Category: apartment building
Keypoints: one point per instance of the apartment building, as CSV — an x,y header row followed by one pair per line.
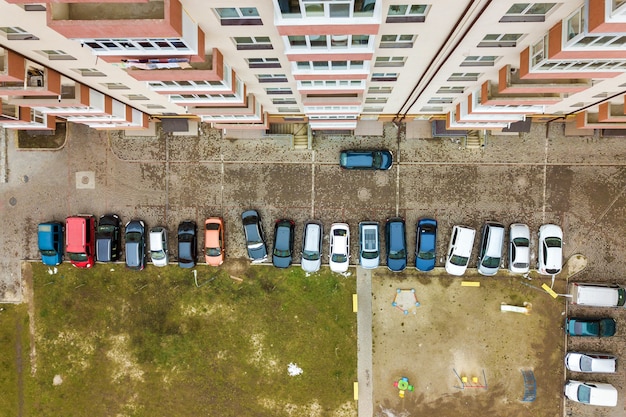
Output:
x,y
115,64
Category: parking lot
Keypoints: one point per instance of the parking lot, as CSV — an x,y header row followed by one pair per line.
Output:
x,y
540,177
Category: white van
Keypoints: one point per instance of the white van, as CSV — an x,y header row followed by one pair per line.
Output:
x,y
460,250
597,294
490,251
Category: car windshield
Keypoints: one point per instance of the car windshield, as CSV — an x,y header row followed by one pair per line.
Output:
x,y
369,255
310,255
584,394
133,237
458,260
426,255
400,254
106,228
337,257
78,257
585,363
281,253
158,255
489,262
49,252
553,242
213,251
521,242
377,160
520,265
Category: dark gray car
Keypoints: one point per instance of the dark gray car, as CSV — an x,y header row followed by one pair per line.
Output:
x,y
135,236
108,238
187,244
255,240
283,243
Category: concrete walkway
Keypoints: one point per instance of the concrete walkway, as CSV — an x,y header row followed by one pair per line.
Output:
x,y
364,341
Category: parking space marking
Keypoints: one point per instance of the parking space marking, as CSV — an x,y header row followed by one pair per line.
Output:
x,y
545,179
313,184
167,176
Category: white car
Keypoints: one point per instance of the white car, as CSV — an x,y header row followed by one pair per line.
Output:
x,y
592,393
459,250
339,247
550,248
369,253
158,246
519,248
591,362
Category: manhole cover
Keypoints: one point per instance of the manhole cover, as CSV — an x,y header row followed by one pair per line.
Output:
x,y
85,180
13,201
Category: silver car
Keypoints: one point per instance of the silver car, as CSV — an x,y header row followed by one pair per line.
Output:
x,y
312,246
519,248
369,252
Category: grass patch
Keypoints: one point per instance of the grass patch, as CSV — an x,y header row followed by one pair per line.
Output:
x,y
29,139
14,363
152,343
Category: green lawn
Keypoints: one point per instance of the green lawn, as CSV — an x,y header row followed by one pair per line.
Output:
x,y
153,343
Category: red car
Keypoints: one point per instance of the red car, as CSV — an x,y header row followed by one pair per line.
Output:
x,y
214,241
80,240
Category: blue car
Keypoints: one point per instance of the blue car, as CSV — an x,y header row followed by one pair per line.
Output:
x,y
50,242
283,243
591,327
396,244
425,255
255,239
363,159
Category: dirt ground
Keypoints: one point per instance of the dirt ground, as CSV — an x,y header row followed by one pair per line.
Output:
x,y
462,329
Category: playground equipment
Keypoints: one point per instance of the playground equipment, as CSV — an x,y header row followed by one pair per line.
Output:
x,y
530,385
405,300
403,385
475,381
517,309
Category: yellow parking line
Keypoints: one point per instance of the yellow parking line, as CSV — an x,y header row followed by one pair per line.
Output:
x,y
470,284
355,306
356,391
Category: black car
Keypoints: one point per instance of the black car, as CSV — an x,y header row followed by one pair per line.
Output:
x,y
255,240
395,232
187,244
283,243
135,236
108,238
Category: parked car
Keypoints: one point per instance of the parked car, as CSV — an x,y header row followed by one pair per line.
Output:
x,y
311,255
50,242
365,159
460,250
134,235
80,240
426,244
187,244
214,243
158,246
369,245
108,238
283,243
255,239
593,294
591,362
519,248
395,233
490,249
550,256
339,247
591,327
592,393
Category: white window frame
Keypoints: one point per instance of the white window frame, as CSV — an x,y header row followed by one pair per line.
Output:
x,y
500,40
409,10
380,90
575,26
464,76
389,61
331,84
331,66
479,61
451,89
239,13
399,41
524,12
329,42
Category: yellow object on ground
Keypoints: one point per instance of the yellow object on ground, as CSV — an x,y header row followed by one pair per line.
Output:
x,y
549,290
356,391
470,284
355,305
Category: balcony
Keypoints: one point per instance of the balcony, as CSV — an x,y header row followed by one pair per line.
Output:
x,y
291,9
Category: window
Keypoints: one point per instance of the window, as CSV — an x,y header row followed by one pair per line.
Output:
x,y
56,55
331,84
617,7
451,90
397,41
235,16
278,90
329,65
432,109
407,13
385,76
284,100
335,9
289,109
15,33
34,7
272,78
600,41
135,96
373,109
249,42
379,90
390,61
376,100
441,100
464,76
539,51
575,24
328,41
135,45
479,61
263,62
527,12
89,72
497,40
115,86
154,106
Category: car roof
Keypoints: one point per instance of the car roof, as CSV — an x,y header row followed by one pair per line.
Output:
x,y
465,240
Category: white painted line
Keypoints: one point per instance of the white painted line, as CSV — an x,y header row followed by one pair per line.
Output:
x,y
545,179
312,184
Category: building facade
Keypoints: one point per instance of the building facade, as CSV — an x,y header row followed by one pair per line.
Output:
x,y
242,64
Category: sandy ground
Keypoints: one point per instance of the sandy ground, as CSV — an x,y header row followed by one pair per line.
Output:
x,y
462,329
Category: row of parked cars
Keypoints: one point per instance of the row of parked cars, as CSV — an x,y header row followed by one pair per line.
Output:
x,y
593,295
85,241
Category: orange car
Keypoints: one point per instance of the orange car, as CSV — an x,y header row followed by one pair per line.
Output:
x,y
214,241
